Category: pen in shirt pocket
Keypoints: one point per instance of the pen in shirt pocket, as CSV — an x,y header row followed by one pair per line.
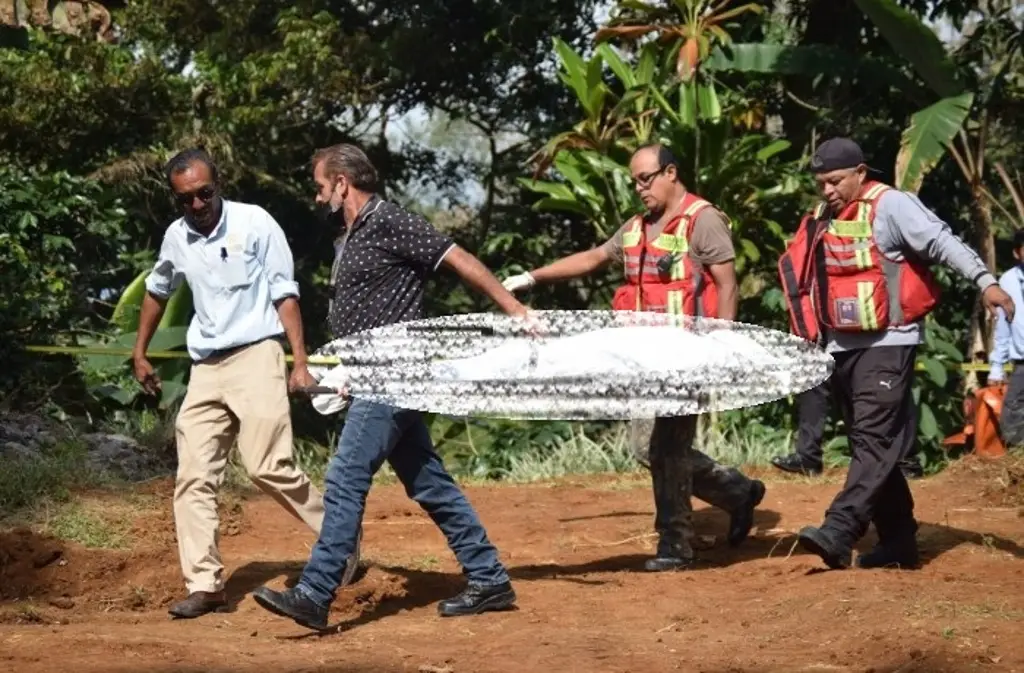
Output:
x,y
224,254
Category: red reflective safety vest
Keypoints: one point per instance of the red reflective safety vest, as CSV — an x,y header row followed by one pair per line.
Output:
x,y
795,266
660,275
834,275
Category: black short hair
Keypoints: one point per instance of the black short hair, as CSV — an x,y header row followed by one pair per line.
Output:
x,y
665,155
1018,239
180,162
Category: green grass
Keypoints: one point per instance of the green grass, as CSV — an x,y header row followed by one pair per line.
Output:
x,y
508,451
610,452
527,457
753,444
579,454
26,481
517,454
313,457
75,523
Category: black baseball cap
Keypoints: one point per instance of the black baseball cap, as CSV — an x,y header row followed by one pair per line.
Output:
x,y
836,154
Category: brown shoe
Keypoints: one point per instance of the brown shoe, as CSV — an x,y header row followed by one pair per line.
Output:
x,y
198,604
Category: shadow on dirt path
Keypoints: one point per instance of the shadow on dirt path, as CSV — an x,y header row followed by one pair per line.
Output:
x,y
576,553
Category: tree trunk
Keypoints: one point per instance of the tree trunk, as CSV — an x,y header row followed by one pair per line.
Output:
x,y
822,22
975,342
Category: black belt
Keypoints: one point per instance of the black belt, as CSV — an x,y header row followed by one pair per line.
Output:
x,y
224,352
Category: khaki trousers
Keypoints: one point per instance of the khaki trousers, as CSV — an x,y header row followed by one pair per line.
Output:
x,y
242,395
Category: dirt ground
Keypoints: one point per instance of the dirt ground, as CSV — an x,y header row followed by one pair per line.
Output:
x,y
575,550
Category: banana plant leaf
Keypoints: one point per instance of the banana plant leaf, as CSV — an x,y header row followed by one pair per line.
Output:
x,y
925,140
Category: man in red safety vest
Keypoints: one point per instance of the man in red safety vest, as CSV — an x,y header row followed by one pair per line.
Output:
x,y
858,280
813,405
678,259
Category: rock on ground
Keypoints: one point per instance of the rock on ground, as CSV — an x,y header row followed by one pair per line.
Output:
x,y
30,437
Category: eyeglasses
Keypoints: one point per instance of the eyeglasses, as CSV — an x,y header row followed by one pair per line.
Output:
x,y
204,193
645,179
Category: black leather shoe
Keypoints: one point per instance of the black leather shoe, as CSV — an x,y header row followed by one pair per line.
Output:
x,y
793,463
477,598
742,520
292,603
817,541
912,470
198,604
901,556
660,564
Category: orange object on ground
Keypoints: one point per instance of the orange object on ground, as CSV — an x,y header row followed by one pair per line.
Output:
x,y
982,411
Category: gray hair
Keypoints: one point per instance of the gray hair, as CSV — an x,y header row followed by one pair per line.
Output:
x,y
350,161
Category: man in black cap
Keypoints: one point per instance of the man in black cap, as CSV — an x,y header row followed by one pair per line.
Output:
x,y
867,277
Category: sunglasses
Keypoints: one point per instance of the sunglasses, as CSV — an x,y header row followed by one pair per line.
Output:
x,y
204,193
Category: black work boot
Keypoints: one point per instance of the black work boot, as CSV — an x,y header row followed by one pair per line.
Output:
x,y
911,470
198,604
834,552
896,548
477,598
742,519
660,564
669,557
795,464
901,556
294,604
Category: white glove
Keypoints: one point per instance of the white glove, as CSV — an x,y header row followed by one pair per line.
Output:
x,y
335,377
522,281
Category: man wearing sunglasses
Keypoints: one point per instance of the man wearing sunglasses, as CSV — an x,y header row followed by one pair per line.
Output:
x,y
695,277
239,267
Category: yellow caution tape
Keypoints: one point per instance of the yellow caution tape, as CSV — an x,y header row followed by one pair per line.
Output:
x,y
322,360
152,355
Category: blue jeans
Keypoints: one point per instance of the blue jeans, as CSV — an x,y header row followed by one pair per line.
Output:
x,y
371,434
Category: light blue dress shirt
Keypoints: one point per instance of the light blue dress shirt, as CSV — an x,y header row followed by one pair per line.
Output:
x,y
1009,337
236,274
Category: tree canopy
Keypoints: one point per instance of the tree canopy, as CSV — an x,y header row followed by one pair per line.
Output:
x,y
532,106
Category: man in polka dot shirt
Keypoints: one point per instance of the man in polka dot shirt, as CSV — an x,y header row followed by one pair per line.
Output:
x,y
383,258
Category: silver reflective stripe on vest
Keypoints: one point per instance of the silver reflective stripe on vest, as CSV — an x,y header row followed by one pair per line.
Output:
x,y
851,247
893,275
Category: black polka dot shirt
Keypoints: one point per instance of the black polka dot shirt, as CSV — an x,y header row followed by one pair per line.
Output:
x,y
381,266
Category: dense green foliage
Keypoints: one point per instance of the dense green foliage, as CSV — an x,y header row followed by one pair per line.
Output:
x,y
532,107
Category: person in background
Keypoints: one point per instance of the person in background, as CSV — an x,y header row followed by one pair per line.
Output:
x,y
1008,347
239,267
808,458
696,276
